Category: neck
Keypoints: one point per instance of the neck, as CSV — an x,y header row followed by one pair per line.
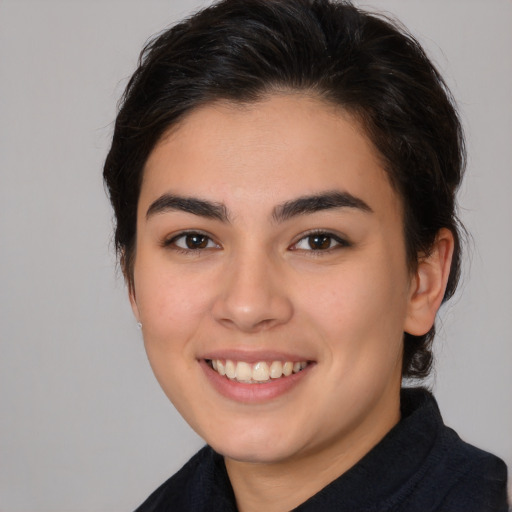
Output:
x,y
282,486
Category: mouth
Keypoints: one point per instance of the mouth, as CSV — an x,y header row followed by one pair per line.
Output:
x,y
261,372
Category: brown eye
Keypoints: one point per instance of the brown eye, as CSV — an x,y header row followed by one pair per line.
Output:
x,y
192,242
196,241
319,242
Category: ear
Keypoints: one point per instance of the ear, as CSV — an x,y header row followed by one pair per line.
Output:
x,y
133,301
428,285
129,280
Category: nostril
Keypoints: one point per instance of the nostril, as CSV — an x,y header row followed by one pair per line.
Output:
x,y
248,324
251,298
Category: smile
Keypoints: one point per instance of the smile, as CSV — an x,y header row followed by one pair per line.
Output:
x,y
258,373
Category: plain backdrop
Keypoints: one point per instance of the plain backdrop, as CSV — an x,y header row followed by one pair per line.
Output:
x,y
84,425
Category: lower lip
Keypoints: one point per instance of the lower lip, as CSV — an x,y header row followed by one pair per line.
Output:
x,y
253,393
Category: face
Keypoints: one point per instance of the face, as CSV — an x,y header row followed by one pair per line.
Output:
x,y
271,279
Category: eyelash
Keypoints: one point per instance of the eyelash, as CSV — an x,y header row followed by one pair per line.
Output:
x,y
171,242
332,238
339,242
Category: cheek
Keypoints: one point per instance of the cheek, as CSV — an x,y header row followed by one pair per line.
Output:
x,y
360,308
172,305
170,311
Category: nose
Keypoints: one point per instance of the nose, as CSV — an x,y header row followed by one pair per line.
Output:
x,y
253,295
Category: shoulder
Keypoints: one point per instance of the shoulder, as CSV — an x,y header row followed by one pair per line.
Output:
x,y
173,493
471,479
455,476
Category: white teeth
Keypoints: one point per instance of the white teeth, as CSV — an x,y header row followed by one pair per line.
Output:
x,y
287,368
261,371
230,369
276,369
243,371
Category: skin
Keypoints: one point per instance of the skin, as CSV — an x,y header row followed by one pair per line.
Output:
x,y
257,285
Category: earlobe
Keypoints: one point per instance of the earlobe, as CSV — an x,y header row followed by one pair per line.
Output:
x,y
429,284
133,301
128,278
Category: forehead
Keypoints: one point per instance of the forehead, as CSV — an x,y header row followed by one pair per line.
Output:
x,y
263,153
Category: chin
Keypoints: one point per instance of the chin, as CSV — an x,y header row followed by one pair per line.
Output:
x,y
257,445
253,454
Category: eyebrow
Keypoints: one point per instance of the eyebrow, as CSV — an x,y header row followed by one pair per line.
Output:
x,y
218,211
200,207
318,202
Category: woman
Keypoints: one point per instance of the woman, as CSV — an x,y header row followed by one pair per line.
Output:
x,y
283,175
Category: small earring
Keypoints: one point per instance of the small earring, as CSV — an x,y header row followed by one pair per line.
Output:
x,y
139,325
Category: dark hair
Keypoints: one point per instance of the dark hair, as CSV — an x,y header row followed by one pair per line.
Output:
x,y
241,50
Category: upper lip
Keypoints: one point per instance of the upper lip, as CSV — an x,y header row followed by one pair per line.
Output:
x,y
254,356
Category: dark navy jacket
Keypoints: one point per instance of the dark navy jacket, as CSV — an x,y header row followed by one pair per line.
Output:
x,y
420,466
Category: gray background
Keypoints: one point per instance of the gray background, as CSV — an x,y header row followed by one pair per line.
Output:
x,y
84,426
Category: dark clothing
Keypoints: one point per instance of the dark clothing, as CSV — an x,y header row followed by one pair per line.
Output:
x,y
420,466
